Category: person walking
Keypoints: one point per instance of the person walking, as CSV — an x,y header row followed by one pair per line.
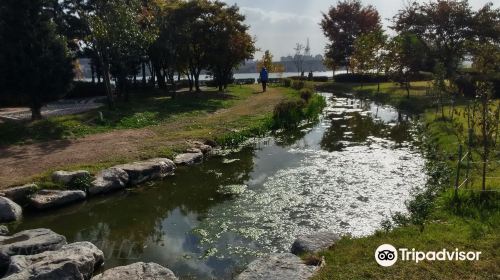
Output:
x,y
264,77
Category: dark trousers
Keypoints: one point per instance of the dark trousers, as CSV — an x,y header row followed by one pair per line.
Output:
x,y
264,86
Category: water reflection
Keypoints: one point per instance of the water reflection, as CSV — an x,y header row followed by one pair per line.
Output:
x,y
345,173
355,121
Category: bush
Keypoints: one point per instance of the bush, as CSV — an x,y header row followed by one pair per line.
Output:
x,y
298,78
82,183
272,81
288,114
298,85
466,83
86,89
249,81
422,76
314,107
306,94
360,78
286,82
322,79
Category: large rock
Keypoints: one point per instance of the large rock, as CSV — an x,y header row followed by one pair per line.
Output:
x,y
30,242
278,267
47,199
140,172
66,177
74,261
20,194
189,159
142,271
4,230
109,180
9,210
314,243
201,146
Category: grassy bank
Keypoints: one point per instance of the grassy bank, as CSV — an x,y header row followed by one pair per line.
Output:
x,y
147,127
437,219
146,108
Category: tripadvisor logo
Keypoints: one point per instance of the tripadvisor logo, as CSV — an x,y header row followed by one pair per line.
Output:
x,y
387,255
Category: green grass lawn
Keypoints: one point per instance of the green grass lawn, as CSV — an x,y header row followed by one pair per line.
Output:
x,y
472,224
158,126
144,109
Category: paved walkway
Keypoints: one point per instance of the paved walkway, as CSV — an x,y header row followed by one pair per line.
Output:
x,y
58,108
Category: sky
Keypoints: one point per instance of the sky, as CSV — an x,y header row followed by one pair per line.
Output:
x,y
279,24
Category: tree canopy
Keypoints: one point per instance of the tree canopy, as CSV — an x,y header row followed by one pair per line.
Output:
x,y
343,24
35,64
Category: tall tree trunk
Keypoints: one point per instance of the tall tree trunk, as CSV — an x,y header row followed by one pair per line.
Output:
x,y
190,81
92,71
160,78
485,139
408,85
197,81
107,82
143,73
36,111
152,72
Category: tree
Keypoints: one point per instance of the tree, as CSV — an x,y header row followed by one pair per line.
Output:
x,y
267,61
485,61
231,43
185,39
117,38
298,58
447,26
370,53
407,56
34,60
343,24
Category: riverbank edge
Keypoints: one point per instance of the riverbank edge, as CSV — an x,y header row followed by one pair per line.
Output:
x,y
228,140
426,210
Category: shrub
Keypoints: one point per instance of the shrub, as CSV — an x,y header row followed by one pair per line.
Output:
x,y
306,94
83,89
298,85
249,81
422,76
466,83
298,78
322,79
287,82
288,114
82,183
314,107
360,78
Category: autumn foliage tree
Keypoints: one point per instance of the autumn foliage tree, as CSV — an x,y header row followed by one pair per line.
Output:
x,y
267,61
343,24
370,54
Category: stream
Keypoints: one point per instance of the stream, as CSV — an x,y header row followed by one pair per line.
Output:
x,y
347,173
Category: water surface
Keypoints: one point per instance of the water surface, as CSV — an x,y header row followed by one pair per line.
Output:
x,y
346,173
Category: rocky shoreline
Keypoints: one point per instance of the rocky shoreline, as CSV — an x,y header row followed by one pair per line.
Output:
x,y
43,254
116,178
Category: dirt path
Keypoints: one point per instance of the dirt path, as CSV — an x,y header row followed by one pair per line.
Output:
x,y
20,164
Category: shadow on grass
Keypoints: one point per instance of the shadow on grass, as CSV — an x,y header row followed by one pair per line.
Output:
x,y
144,109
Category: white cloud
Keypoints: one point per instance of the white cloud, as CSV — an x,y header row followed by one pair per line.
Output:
x,y
279,24
273,16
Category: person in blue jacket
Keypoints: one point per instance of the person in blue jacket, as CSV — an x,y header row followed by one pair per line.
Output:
x,y
264,77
